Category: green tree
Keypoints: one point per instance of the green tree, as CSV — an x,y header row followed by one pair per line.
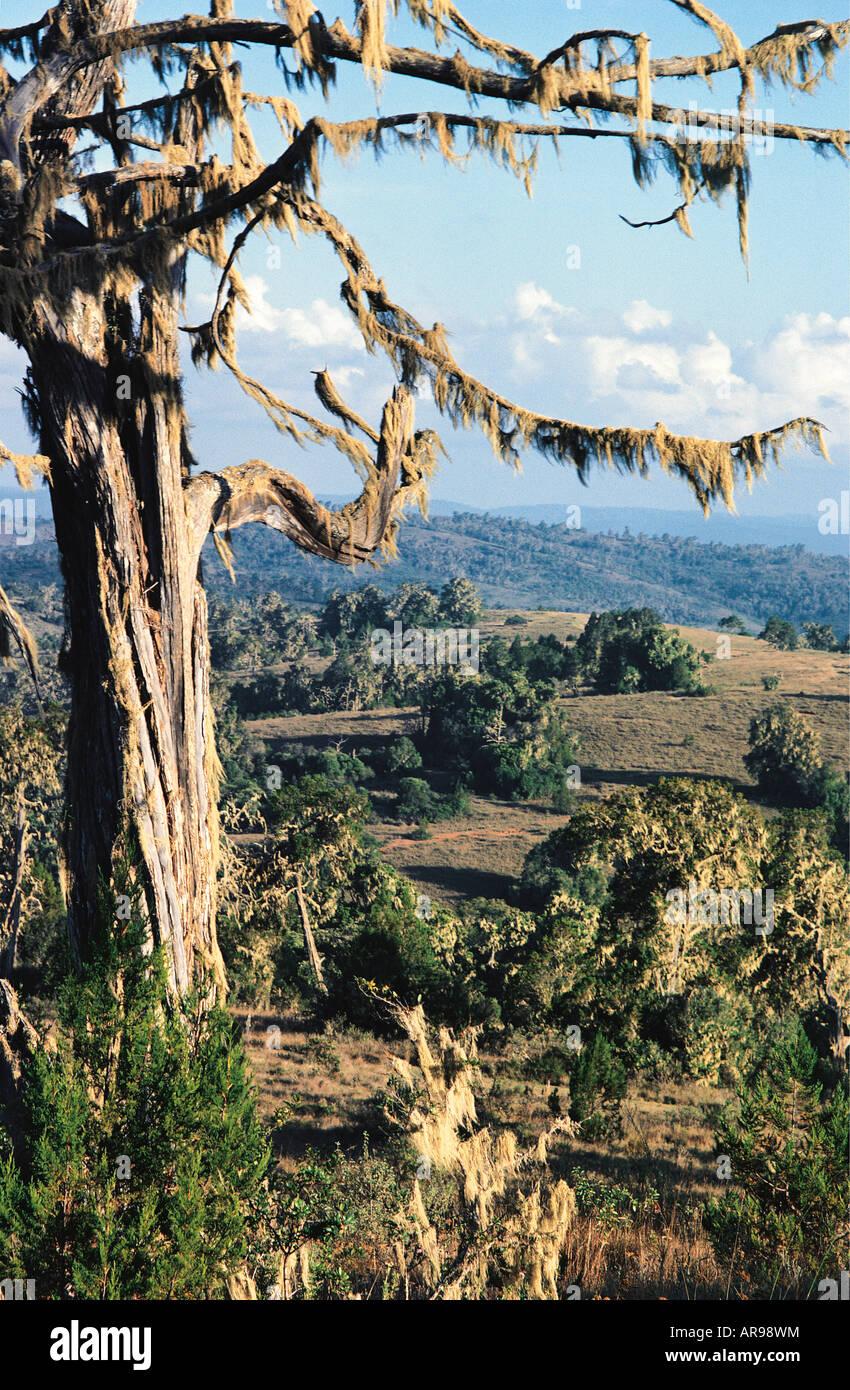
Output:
x,y
619,653
783,1226
820,637
142,1152
784,754
415,605
402,755
348,617
779,633
104,220
460,603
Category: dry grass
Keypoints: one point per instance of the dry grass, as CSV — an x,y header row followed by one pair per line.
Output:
x,y
316,1088
319,1088
623,740
314,1085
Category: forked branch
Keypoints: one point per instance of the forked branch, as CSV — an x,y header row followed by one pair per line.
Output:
x,y
257,492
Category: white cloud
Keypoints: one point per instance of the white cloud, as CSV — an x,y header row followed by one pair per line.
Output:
x,y
708,363
323,325
808,361
343,376
539,314
532,300
641,316
609,358
264,317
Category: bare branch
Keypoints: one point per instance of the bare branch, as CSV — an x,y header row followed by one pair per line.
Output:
x,y
256,492
13,628
711,468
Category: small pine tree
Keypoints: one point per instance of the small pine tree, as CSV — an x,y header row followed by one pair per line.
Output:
x,y
783,1225
597,1085
142,1147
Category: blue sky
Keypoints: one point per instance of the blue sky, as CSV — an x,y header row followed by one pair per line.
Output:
x,y
554,301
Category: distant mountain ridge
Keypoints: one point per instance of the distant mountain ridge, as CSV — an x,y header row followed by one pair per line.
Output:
x,y
790,529
649,521
520,564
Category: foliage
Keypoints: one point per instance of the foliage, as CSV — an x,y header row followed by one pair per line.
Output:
x,y
820,637
672,957
142,1150
417,802
597,1085
31,773
619,653
779,633
460,603
784,754
257,632
328,1229
783,1225
401,755
503,729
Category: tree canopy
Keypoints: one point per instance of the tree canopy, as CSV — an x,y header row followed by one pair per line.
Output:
x,y
171,191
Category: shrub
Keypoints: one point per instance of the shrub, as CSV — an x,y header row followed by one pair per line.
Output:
x,y
620,653
820,637
142,1151
784,754
401,755
783,1227
460,603
779,633
597,1085
415,801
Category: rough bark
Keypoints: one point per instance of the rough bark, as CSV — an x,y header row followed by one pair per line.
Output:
x,y
10,923
141,759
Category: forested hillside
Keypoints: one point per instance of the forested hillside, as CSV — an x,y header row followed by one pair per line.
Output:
x,y
519,565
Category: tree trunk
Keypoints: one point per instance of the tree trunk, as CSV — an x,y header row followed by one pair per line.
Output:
x,y
142,768
309,939
10,923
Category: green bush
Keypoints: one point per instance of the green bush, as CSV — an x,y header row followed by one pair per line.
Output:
x,y
783,1225
620,653
784,755
597,1085
779,633
142,1151
401,755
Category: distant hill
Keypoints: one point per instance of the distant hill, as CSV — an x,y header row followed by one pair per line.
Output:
x,y
773,531
520,564
720,526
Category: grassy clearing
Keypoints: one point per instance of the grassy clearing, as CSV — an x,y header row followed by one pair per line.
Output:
x,y
623,740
